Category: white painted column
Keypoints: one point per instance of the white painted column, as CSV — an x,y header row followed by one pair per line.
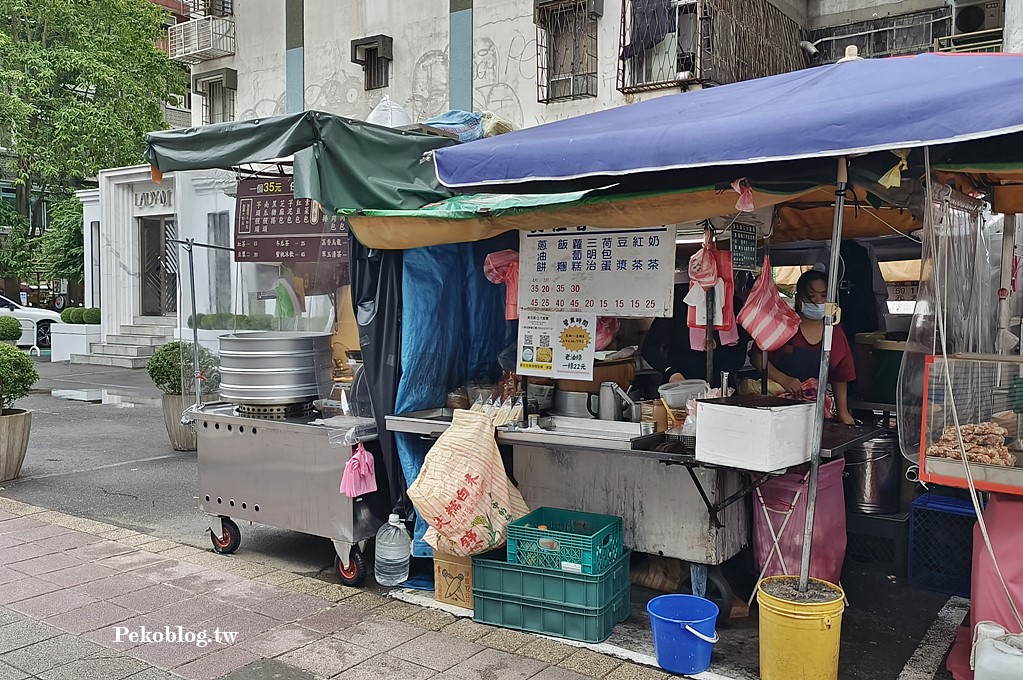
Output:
x,y
1012,40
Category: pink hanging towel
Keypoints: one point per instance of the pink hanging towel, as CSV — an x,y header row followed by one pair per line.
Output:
x,y
359,477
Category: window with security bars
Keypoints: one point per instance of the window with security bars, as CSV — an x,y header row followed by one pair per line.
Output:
x,y
211,8
377,69
566,51
676,43
217,102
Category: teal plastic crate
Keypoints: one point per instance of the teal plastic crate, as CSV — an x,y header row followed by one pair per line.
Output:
x,y
577,542
584,624
550,586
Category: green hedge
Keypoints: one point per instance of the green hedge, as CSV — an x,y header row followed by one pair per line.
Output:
x,y
77,315
65,316
91,315
10,329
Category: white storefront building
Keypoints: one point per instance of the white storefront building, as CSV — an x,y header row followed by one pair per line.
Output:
x,y
135,270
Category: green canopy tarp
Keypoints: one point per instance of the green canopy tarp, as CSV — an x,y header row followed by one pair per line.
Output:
x,y
339,162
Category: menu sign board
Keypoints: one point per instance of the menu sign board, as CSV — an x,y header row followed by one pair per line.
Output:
x,y
607,272
271,225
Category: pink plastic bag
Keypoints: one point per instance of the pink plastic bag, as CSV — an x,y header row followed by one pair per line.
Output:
x,y
503,267
607,328
829,538
809,393
703,266
359,477
765,316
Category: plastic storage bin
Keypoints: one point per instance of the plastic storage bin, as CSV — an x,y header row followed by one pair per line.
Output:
x,y
878,542
941,544
549,586
576,542
575,606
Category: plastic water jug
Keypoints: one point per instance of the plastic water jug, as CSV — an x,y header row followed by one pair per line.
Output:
x,y
393,552
1000,659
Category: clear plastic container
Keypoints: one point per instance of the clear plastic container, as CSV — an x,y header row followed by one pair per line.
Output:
x,y
1000,659
393,552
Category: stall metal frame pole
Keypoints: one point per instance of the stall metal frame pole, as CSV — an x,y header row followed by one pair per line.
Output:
x,y
189,245
831,317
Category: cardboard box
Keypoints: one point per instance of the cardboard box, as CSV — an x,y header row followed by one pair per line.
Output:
x,y
753,432
452,579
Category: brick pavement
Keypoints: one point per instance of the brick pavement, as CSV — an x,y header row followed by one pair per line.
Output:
x,y
68,584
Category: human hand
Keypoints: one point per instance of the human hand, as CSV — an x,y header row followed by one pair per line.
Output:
x,y
792,386
676,377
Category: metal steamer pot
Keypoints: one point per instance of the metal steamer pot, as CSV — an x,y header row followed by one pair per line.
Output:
x,y
263,368
873,476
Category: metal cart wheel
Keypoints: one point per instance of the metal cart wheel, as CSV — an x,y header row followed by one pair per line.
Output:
x,y
355,573
229,540
718,590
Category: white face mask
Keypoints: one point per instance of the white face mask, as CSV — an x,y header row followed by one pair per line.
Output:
x,y
812,310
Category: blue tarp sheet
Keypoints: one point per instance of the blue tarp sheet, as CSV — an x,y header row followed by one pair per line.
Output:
x,y
453,328
834,110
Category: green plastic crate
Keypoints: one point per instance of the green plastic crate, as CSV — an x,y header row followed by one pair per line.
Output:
x,y
577,542
584,624
551,586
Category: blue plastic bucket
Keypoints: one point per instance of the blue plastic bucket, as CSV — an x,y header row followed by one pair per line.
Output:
x,y
683,629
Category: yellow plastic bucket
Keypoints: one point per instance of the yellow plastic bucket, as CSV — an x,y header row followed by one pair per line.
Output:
x,y
799,641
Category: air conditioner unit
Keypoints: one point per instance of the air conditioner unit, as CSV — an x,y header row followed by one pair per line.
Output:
x,y
971,16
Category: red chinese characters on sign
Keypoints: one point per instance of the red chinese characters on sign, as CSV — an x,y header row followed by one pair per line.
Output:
x,y
452,508
472,480
271,225
470,540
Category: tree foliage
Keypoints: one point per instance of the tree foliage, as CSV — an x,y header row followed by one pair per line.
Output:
x,y
63,249
81,82
15,244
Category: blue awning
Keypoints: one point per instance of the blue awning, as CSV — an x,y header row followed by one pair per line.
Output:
x,y
835,110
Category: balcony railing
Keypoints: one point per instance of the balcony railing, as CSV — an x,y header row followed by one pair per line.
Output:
x,y
679,43
202,39
980,41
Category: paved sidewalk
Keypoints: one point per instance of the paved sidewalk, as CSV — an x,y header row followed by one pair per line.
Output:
x,y
81,599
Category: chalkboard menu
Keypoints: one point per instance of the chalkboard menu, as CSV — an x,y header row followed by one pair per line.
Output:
x,y
744,247
271,225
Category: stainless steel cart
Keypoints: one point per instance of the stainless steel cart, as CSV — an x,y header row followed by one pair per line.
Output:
x,y
282,473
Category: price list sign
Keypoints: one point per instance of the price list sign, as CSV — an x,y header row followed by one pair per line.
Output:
x,y
607,272
271,225
744,247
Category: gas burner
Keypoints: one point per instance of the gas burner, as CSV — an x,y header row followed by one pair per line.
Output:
x,y
283,412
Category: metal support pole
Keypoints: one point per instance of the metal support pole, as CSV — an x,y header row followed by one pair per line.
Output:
x,y
711,317
197,373
189,245
830,315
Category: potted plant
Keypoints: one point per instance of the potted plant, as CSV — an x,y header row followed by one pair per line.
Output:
x,y
10,330
17,375
171,369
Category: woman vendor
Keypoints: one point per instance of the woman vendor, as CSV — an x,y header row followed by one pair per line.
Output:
x,y
668,350
799,359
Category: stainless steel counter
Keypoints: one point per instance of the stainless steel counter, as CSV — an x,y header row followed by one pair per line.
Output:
x,y
604,436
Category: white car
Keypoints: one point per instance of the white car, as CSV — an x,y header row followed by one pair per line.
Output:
x,y
30,317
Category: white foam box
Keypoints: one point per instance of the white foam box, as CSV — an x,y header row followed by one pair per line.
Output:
x,y
753,432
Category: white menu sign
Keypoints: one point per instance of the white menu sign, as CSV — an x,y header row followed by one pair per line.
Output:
x,y
557,345
607,272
